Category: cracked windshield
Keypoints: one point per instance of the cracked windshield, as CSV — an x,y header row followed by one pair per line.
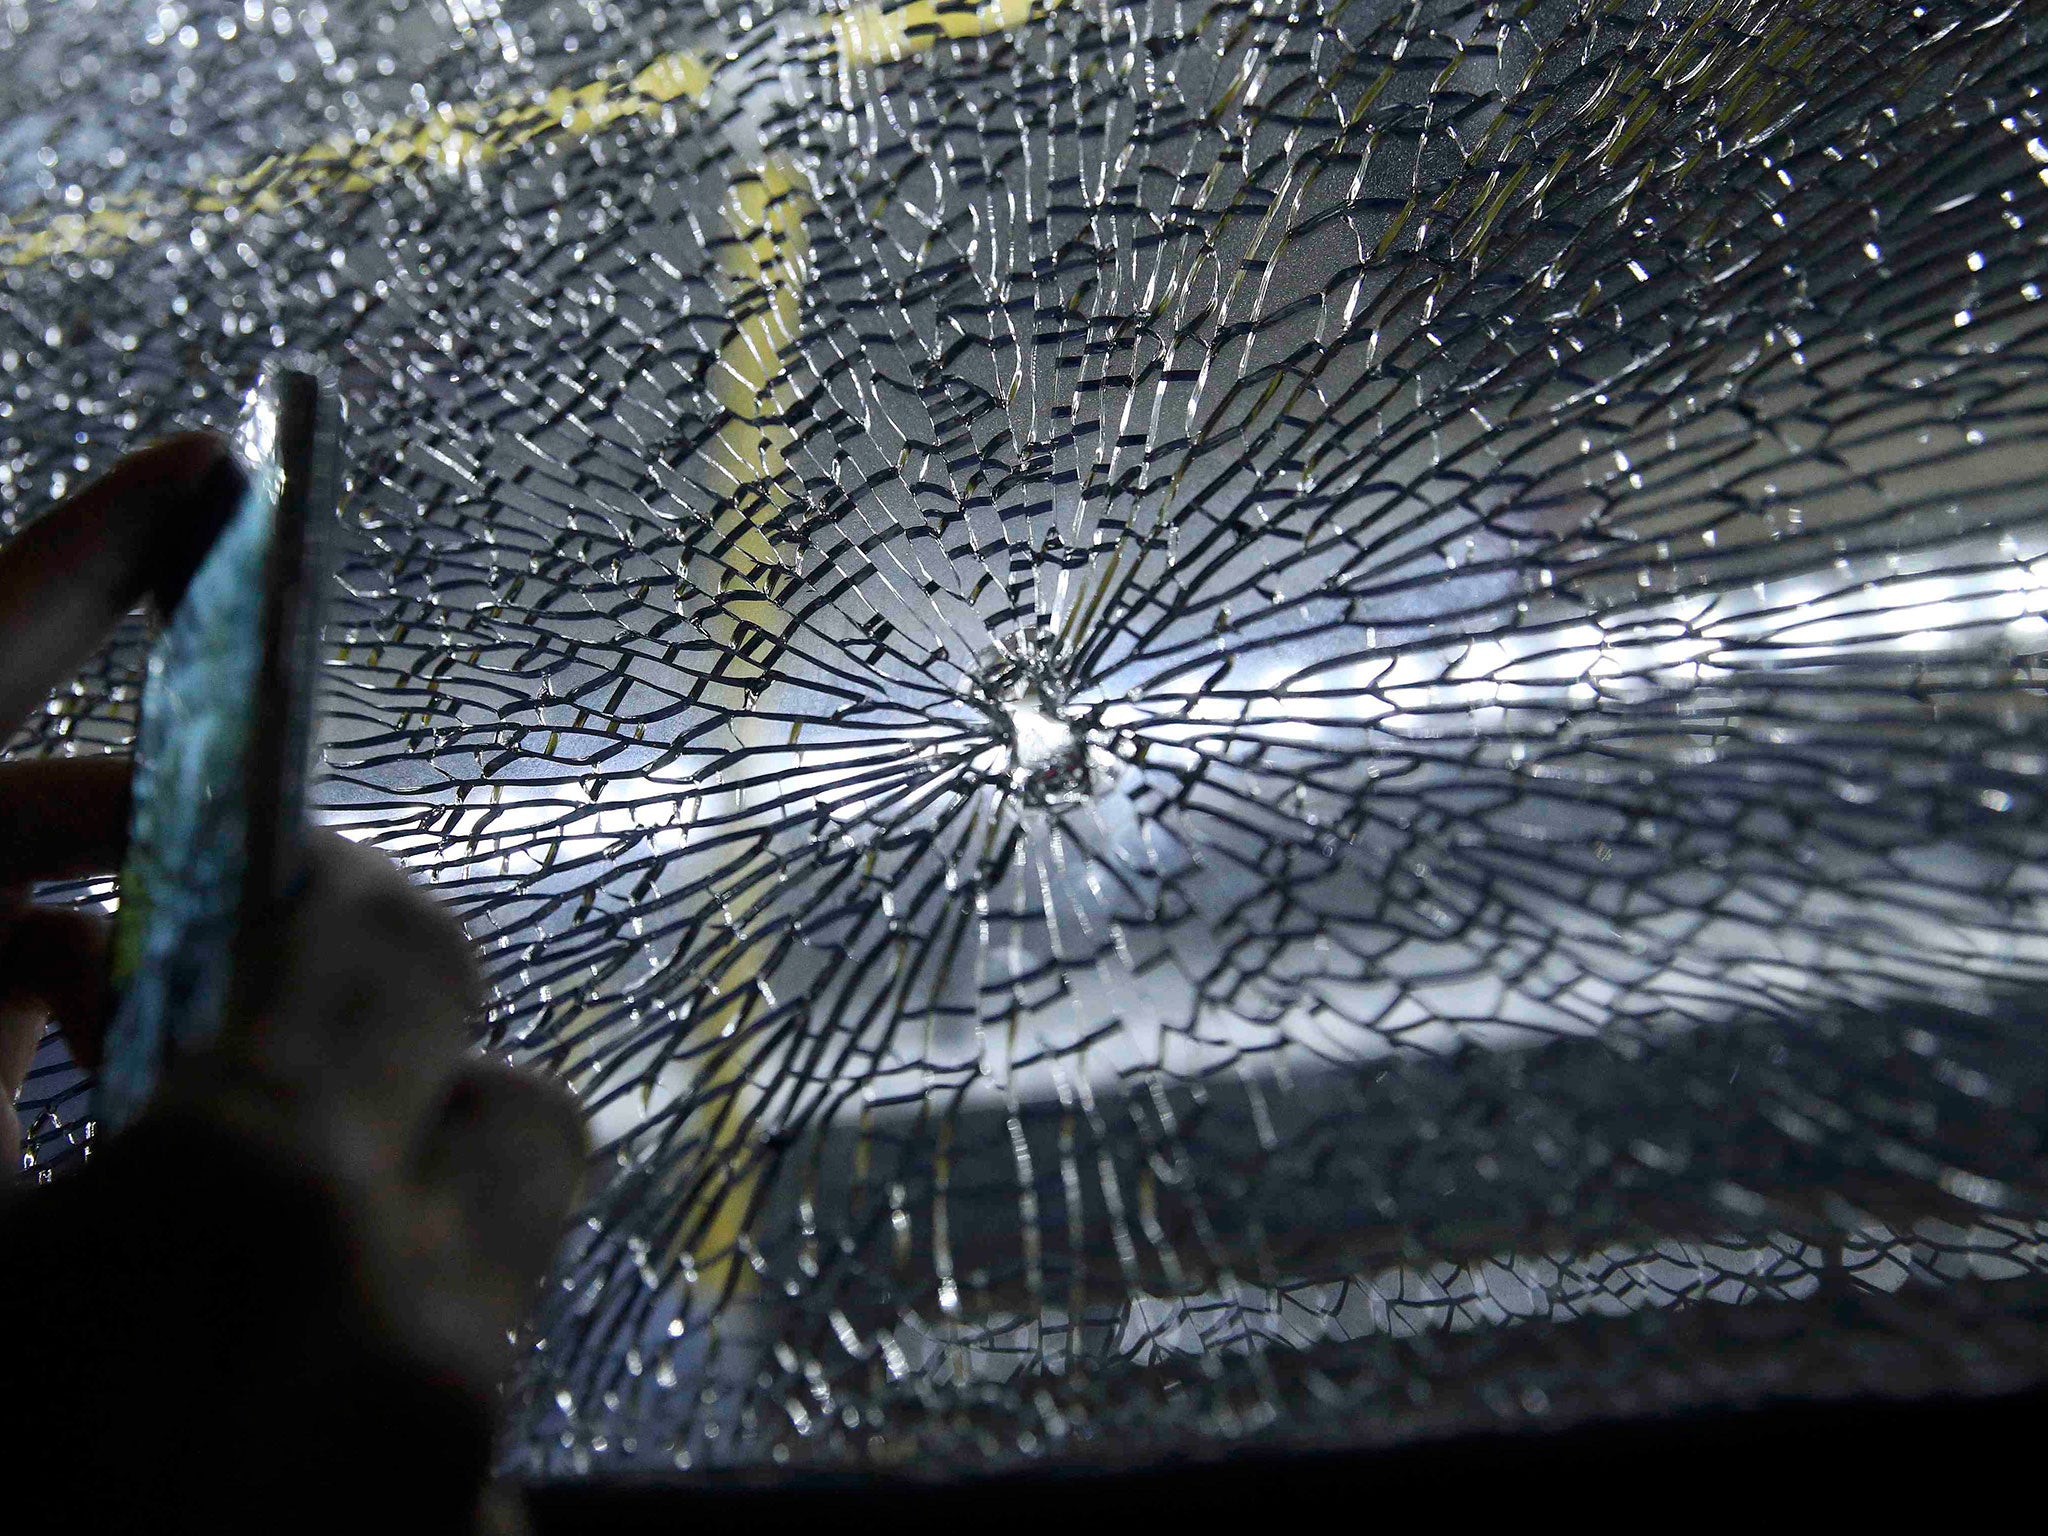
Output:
x,y
1273,721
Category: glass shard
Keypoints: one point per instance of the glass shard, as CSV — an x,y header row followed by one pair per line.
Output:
x,y
1197,722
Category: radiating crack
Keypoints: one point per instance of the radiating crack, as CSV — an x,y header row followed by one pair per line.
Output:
x,y
1153,699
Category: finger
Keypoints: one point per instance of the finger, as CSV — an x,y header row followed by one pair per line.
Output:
x,y
62,818
509,1149
68,578
370,1008
41,953
21,1031
492,1187
53,963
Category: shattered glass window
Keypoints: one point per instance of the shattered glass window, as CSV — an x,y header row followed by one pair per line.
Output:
x,y
1197,723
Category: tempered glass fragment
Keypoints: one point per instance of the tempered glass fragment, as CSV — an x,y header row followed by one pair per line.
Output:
x,y
1194,721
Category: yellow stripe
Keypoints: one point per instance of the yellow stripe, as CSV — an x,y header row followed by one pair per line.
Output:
x,y
764,265
874,34
451,137
455,136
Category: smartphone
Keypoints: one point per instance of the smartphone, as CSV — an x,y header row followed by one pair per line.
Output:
x,y
216,824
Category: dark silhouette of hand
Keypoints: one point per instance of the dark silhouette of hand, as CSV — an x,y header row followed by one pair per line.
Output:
x,y
286,1292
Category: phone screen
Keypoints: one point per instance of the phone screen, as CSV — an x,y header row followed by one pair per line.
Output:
x,y
214,837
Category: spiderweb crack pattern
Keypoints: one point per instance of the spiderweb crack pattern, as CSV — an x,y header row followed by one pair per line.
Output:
x,y
1192,720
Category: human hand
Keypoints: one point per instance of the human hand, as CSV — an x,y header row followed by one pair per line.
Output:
x,y
65,581
440,1181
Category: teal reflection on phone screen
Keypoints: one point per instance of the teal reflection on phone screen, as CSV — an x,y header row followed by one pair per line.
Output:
x,y
183,881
